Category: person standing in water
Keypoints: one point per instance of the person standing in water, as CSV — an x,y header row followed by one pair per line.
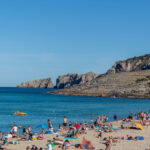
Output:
x,y
115,117
65,123
49,124
15,129
70,124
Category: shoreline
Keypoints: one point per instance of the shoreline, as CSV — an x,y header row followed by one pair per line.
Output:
x,y
75,93
91,135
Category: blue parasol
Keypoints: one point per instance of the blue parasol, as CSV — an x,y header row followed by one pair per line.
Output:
x,y
44,126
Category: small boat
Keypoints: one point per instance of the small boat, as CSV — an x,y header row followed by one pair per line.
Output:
x,y
18,113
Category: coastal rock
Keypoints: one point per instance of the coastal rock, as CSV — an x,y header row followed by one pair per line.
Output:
x,y
69,80
125,84
129,78
42,83
132,64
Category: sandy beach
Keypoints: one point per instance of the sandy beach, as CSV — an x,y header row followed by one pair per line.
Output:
x,y
91,135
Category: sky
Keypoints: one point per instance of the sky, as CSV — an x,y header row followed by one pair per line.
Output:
x,y
48,38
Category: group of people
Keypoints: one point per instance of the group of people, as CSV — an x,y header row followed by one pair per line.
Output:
x,y
12,134
101,124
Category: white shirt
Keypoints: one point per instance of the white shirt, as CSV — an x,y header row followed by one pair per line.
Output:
x,y
9,136
49,147
15,128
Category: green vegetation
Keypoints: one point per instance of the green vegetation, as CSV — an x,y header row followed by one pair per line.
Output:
x,y
148,77
143,79
148,84
147,56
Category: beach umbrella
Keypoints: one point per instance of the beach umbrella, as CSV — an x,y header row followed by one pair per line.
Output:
x,y
138,125
44,126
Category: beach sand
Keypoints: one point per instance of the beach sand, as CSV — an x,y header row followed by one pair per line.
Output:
x,y
97,143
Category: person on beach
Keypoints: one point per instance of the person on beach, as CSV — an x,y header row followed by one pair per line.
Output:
x,y
49,145
70,124
64,146
0,135
43,132
76,129
92,126
34,147
3,136
60,127
108,144
84,126
5,140
12,125
27,148
15,129
65,123
24,130
99,135
57,141
131,138
20,126
49,124
29,129
9,136
115,117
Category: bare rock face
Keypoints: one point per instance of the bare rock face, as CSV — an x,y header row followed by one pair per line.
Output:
x,y
42,83
124,84
132,64
129,78
69,80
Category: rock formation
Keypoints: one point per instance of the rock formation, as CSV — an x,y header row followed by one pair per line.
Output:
x,y
129,78
132,64
125,84
42,83
70,80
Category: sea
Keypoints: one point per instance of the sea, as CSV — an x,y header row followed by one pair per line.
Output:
x,y
41,106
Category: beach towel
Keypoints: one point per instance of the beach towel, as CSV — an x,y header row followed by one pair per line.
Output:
x,y
129,138
69,138
53,144
147,123
139,137
138,125
48,132
116,129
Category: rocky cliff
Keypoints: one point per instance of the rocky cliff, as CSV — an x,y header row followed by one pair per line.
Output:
x,y
129,78
132,64
42,83
125,84
70,80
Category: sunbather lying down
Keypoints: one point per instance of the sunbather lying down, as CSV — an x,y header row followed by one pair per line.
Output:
x,y
57,141
85,145
1,148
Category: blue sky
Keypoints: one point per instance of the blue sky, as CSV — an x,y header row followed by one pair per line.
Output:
x,y
45,38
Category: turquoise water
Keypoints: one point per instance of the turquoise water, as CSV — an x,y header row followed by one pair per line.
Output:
x,y
41,106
